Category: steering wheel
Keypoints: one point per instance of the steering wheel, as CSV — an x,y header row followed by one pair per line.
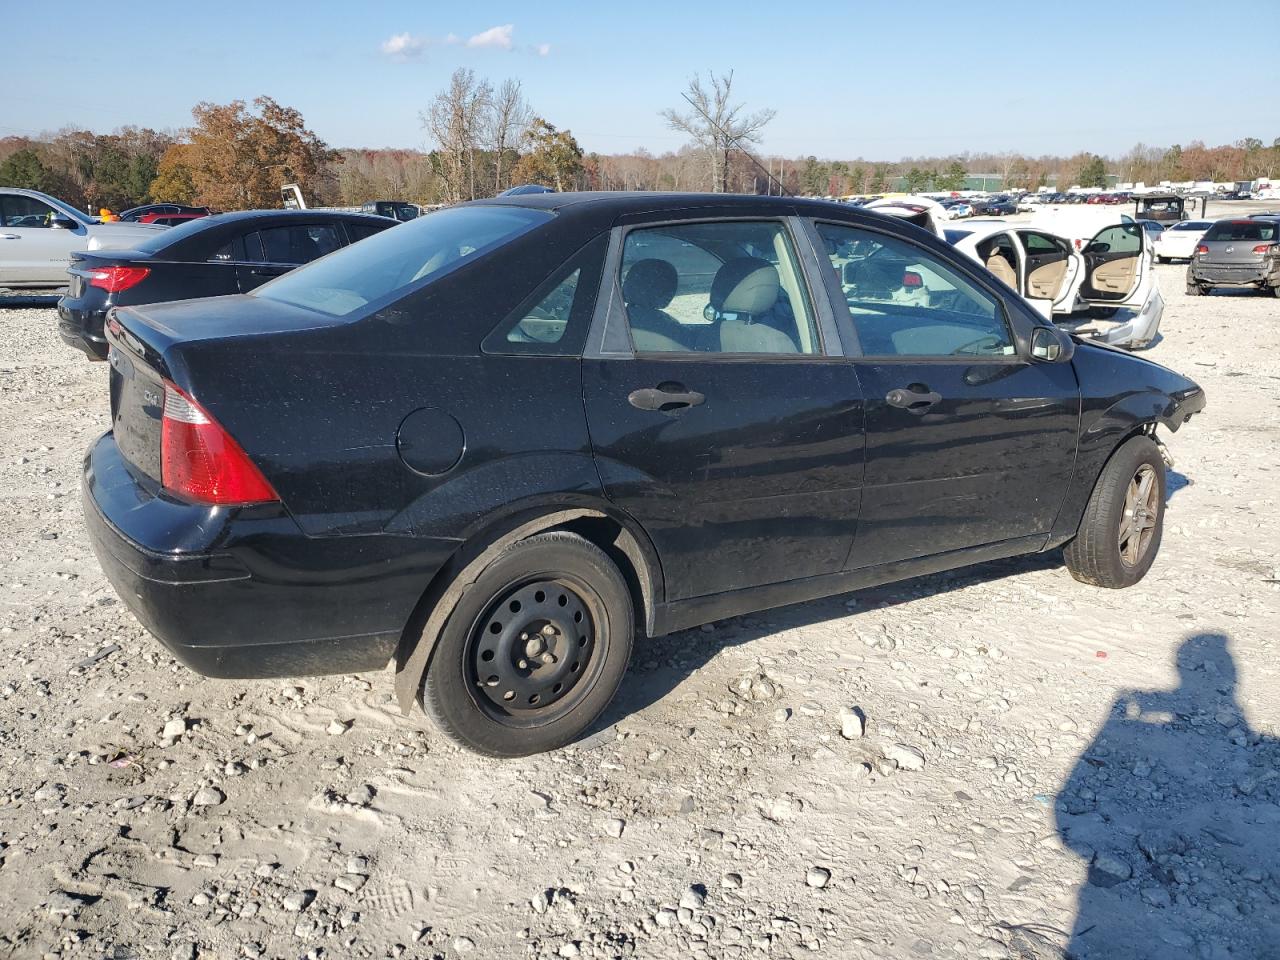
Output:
x,y
975,347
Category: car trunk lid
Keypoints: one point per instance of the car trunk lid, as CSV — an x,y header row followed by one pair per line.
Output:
x,y
150,345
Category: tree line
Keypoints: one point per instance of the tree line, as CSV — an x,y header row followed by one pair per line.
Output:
x,y
482,138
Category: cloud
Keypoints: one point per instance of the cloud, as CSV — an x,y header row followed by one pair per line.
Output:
x,y
403,46
543,49
499,37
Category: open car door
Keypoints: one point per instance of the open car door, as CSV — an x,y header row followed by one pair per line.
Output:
x,y
1052,269
1118,272
1117,267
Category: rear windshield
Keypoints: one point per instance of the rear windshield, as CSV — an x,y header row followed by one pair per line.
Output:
x,y
167,238
1242,230
955,236
396,261
1192,225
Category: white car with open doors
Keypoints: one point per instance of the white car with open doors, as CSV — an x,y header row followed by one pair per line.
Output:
x,y
1081,289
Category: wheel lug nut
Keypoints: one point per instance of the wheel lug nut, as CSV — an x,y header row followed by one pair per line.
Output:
x,y
524,636
523,664
548,631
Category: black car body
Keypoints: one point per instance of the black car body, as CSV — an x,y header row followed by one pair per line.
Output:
x,y
994,207
216,255
395,209
731,403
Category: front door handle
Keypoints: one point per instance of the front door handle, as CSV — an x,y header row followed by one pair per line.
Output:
x,y
665,397
913,399
9,236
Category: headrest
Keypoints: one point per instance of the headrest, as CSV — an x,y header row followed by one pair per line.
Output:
x,y
746,285
649,283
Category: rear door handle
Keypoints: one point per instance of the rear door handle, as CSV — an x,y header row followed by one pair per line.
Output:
x,y
665,397
9,236
914,399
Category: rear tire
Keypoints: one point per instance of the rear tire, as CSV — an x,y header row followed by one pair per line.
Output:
x,y
1195,290
534,651
1162,259
1120,532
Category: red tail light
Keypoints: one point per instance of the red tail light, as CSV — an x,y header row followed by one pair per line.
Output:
x,y
1264,248
200,461
115,279
1201,248
912,279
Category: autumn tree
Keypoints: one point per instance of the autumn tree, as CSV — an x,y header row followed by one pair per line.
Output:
x,y
455,121
716,124
173,182
553,157
238,158
508,118
25,169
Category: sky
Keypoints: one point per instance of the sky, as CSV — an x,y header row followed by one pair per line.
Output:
x,y
880,81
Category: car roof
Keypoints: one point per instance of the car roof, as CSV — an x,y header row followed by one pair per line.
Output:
x,y
637,201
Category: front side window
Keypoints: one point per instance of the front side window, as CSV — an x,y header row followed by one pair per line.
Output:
x,y
906,302
395,262
728,287
20,211
1122,238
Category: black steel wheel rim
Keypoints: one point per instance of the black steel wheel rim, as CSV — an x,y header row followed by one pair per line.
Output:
x,y
536,651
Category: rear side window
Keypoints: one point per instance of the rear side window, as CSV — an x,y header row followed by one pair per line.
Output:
x,y
396,262
358,230
299,243
1242,230
553,320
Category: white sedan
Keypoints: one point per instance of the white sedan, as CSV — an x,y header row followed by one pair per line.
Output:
x,y
1178,241
1112,270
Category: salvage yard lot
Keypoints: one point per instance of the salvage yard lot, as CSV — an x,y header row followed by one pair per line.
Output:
x,y
1099,767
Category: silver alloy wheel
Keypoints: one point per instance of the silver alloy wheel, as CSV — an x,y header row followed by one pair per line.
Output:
x,y
1138,522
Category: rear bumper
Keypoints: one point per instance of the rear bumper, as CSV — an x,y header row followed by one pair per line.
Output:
x,y
1264,274
242,592
81,326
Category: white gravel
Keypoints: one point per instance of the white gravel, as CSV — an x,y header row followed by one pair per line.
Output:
x,y
1075,782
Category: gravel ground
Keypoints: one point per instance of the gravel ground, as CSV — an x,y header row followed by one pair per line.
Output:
x,y
1046,769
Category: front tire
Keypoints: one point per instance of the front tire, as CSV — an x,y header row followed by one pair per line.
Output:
x,y
535,649
1120,532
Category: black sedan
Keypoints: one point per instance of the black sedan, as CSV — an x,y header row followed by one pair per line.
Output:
x,y
212,256
494,444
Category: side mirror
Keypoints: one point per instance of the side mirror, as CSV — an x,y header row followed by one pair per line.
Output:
x,y
1051,345
62,223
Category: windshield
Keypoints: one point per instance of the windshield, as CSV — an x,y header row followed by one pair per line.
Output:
x,y
955,236
392,263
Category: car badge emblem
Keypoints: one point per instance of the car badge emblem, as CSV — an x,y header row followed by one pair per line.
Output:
x,y
1230,250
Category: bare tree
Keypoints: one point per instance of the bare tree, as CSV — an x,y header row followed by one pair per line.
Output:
x,y
509,117
455,121
716,124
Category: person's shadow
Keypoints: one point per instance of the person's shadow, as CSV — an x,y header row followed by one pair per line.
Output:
x,y
1175,807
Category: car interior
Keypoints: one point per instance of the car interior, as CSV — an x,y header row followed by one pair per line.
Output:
x,y
903,302
1047,260
715,288
1001,259
1112,260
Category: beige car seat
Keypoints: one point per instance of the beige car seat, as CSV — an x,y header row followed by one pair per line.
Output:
x,y
743,291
